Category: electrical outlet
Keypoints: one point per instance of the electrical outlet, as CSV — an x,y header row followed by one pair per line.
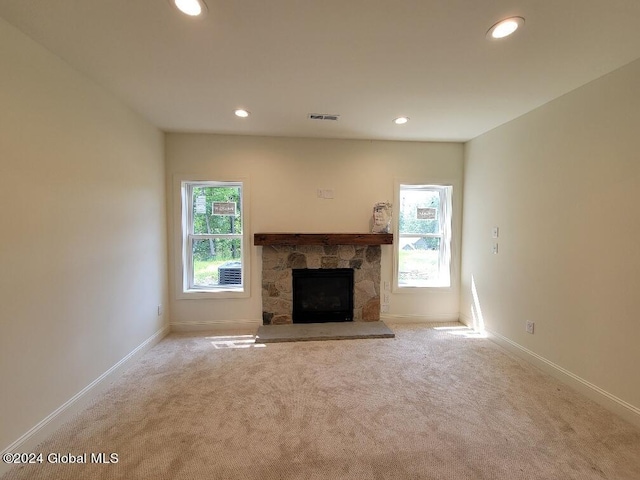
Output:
x,y
385,308
386,298
530,327
159,309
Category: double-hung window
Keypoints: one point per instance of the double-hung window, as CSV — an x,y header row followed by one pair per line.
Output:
x,y
213,253
423,255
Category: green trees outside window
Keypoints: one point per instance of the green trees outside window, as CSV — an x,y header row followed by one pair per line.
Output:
x,y
214,235
424,234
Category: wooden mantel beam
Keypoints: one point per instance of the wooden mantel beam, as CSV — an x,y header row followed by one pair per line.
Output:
x,y
323,239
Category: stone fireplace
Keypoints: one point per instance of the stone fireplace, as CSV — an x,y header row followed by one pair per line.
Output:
x,y
283,253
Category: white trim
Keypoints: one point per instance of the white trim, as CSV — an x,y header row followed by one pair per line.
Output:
x,y
454,203
605,399
429,318
178,226
215,325
466,319
424,290
37,434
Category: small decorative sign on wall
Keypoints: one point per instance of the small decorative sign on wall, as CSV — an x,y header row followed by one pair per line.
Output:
x,y
428,213
201,204
224,208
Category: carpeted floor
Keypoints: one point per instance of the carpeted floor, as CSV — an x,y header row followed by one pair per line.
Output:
x,y
429,404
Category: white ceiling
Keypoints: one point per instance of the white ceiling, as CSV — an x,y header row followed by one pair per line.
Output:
x,y
366,60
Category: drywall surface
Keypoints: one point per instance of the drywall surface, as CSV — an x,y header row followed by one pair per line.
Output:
x,y
561,183
83,233
284,175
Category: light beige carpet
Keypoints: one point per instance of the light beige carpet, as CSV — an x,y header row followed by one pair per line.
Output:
x,y
429,404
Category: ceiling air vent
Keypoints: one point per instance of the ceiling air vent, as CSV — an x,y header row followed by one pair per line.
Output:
x,y
323,116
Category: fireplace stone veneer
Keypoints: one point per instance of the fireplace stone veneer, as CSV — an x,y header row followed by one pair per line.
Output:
x,y
278,261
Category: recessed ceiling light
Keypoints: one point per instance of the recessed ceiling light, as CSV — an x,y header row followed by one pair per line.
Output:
x,y
400,120
241,113
193,8
504,28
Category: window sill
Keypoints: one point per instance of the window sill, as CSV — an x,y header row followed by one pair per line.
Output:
x,y
422,290
212,294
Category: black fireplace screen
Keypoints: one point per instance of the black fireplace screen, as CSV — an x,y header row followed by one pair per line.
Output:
x,y
322,295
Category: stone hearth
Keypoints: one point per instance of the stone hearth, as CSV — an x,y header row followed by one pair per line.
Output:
x,y
279,260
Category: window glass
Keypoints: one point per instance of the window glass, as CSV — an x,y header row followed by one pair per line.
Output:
x,y
419,211
216,210
213,239
217,262
419,261
424,236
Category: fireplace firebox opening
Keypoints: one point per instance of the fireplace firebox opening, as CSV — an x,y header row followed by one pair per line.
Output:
x,y
322,295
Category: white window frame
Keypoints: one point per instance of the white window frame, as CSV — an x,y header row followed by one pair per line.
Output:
x,y
445,212
184,265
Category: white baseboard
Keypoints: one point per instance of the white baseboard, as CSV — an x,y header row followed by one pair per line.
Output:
x,y
214,325
430,318
466,319
30,440
253,325
595,393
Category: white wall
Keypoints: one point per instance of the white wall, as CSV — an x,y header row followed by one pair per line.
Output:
x,y
284,175
562,183
82,233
